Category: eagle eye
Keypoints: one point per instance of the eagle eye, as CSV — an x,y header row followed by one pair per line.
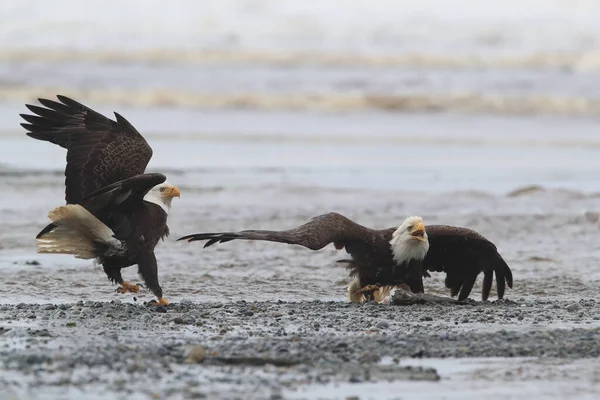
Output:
x,y
409,228
162,189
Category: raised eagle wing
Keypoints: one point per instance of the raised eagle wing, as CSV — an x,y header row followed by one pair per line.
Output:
x,y
111,203
100,151
463,253
315,234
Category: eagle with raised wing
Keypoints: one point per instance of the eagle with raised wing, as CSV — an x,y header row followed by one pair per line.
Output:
x,y
115,212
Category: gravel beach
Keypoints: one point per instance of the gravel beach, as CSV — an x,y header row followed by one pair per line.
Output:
x,y
280,349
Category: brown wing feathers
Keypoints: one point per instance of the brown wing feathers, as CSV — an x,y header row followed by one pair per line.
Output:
x,y
315,234
463,254
100,151
223,237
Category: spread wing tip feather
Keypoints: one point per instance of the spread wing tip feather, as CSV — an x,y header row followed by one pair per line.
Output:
x,y
211,237
189,238
66,100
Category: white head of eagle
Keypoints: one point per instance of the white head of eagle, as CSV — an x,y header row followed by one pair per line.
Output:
x,y
410,241
162,195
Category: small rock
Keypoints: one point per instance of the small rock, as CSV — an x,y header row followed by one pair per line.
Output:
x,y
195,354
178,320
70,324
573,307
49,307
116,301
426,318
592,216
382,325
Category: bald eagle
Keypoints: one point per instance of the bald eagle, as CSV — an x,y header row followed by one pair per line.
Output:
x,y
115,213
394,257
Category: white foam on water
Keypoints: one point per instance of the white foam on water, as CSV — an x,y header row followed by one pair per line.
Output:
x,y
357,25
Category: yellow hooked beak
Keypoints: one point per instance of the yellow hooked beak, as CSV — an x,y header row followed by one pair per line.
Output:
x,y
418,231
173,191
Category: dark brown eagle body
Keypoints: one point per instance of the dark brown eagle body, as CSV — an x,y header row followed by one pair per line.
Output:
x,y
139,225
106,161
460,252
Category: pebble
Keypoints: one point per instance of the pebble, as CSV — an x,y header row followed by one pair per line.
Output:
x,y
573,307
592,216
382,325
195,354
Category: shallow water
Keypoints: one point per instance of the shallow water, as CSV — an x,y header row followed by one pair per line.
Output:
x,y
515,57
474,378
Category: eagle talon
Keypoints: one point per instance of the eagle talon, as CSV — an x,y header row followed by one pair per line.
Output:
x,y
161,302
127,287
368,288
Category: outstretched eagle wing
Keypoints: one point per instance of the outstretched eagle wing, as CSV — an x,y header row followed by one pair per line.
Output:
x,y
100,151
463,253
111,203
315,234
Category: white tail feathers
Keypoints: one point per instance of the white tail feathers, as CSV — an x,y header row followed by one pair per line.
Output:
x,y
77,232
